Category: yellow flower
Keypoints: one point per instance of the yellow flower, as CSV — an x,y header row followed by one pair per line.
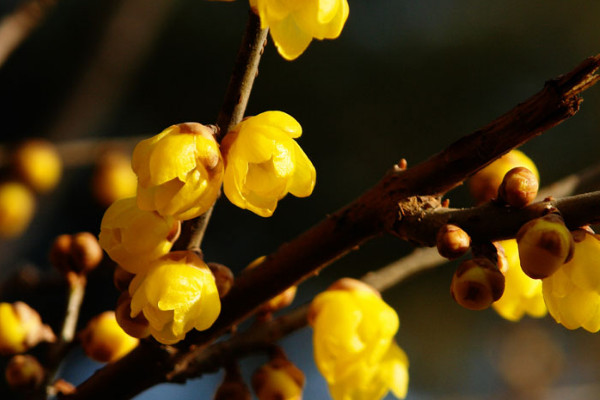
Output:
x,y
179,171
21,328
177,293
279,379
294,23
485,183
38,164
354,345
17,206
103,339
113,178
264,163
522,295
572,293
134,238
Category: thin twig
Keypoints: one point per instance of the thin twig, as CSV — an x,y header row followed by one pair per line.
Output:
x,y
16,27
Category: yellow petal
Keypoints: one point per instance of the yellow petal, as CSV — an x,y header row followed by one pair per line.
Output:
x,y
290,40
303,181
280,121
172,157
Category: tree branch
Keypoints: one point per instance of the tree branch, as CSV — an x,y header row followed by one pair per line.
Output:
x,y
373,213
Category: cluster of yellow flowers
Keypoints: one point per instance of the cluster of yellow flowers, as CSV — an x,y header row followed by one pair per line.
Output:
x,y
354,343
180,172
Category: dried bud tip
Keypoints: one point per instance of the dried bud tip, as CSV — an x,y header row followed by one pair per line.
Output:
x,y
350,284
519,187
452,242
477,283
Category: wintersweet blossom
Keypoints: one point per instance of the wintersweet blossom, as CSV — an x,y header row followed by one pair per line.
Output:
x,y
263,162
354,348
21,328
179,171
177,293
572,293
104,340
134,238
522,294
294,23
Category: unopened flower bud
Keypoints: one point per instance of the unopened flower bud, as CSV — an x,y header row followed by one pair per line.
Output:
x,y
452,242
477,283
484,184
278,379
104,340
24,373
278,302
519,187
223,277
113,178
137,326
17,205
122,278
79,253
38,164
233,386
545,244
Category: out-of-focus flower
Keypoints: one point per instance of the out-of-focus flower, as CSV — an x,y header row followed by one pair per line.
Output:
x,y
24,373
21,328
354,344
522,294
17,205
572,293
104,340
179,171
79,253
233,386
134,238
294,24
176,294
264,162
113,178
485,183
279,379
38,164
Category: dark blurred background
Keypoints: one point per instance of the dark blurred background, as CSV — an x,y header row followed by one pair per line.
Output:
x,y
405,79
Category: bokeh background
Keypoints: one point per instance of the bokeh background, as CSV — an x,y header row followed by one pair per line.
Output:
x,y
405,79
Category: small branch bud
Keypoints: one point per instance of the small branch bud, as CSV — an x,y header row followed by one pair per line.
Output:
x,y
452,242
519,187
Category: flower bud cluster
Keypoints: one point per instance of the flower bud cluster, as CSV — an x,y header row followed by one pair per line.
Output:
x,y
79,253
179,176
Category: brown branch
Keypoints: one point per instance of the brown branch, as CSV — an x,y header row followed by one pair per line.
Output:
x,y
492,221
16,27
373,213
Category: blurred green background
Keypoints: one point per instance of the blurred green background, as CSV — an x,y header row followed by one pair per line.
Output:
x,y
405,79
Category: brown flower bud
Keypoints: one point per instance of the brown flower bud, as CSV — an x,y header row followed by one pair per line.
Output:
x,y
278,379
122,278
545,244
519,187
233,386
79,253
24,373
137,327
452,242
223,277
477,283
